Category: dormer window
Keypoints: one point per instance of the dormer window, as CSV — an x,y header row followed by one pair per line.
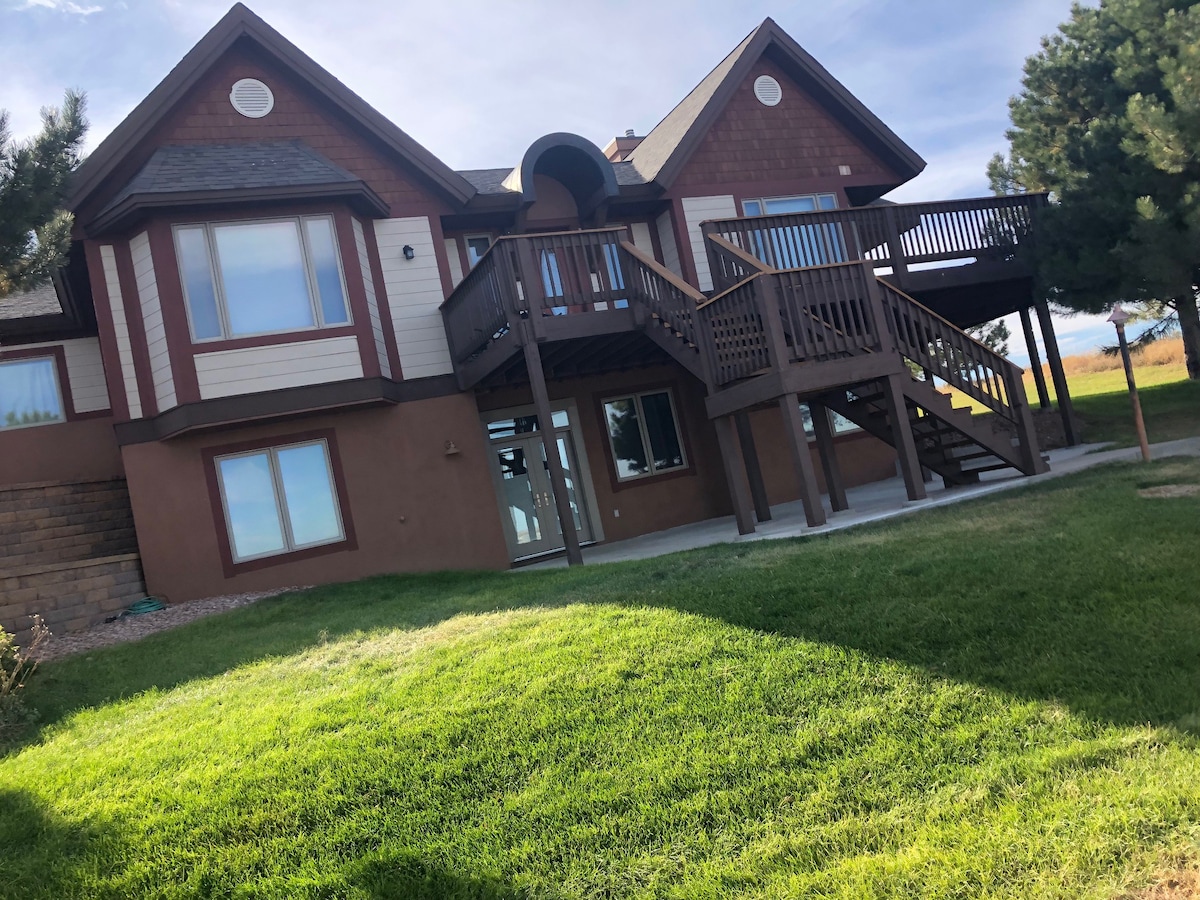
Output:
x,y
261,277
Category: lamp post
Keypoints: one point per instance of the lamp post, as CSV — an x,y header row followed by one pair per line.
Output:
x,y
1119,317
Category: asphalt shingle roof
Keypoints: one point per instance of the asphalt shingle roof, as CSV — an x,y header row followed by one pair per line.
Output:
x,y
491,181
222,167
41,301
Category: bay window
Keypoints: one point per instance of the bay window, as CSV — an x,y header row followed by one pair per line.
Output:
x,y
30,393
643,433
247,278
279,500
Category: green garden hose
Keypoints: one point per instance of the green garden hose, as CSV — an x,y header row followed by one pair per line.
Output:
x,y
148,605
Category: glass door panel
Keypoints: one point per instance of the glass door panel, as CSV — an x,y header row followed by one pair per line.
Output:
x,y
523,498
566,455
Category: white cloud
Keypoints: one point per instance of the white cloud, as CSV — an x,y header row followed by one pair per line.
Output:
x,y
66,6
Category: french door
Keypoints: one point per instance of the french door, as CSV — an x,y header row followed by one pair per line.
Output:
x,y
522,477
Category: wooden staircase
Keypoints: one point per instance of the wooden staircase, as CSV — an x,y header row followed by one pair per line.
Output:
x,y
835,334
950,441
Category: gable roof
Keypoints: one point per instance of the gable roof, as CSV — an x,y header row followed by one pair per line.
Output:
x,y
663,152
255,171
238,23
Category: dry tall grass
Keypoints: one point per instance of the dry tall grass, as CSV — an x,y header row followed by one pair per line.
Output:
x,y
1165,352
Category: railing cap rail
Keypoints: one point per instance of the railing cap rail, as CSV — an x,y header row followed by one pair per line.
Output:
x,y
1040,198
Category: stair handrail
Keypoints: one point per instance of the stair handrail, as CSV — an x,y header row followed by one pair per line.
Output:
x,y
730,264
664,293
479,306
915,328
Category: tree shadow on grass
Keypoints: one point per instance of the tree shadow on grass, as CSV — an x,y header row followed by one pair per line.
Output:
x,y
402,877
1074,591
25,823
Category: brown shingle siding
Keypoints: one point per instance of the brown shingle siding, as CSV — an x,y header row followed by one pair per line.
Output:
x,y
798,139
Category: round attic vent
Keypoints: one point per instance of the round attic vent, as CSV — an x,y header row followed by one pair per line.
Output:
x,y
767,90
251,98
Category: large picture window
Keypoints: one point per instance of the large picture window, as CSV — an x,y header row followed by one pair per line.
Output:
x,y
643,432
279,500
246,278
30,393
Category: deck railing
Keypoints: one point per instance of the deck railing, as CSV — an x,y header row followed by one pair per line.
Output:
x,y
555,274
894,236
773,319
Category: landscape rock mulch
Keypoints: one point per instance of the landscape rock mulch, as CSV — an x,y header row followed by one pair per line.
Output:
x,y
133,628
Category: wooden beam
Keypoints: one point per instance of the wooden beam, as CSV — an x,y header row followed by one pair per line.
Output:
x,y
823,428
541,402
1039,377
758,489
806,475
735,476
902,437
1065,408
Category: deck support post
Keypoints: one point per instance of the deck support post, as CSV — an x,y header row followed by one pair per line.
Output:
x,y
735,475
823,428
758,489
806,474
1035,362
1065,408
902,437
527,335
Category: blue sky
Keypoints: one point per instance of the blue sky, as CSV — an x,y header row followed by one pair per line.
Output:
x,y
476,82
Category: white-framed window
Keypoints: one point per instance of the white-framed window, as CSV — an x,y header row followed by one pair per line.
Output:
x,y
773,206
261,277
643,432
30,393
279,500
477,245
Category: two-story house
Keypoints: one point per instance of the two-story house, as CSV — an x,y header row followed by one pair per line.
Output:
x,y
309,351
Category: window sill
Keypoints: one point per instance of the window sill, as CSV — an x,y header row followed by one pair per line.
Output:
x,y
278,337
657,478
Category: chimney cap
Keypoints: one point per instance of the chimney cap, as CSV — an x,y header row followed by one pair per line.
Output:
x,y
629,132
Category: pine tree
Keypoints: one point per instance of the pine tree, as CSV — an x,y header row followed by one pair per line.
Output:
x,y
35,231
1108,121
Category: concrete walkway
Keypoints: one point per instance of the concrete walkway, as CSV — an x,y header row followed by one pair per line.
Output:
x,y
868,503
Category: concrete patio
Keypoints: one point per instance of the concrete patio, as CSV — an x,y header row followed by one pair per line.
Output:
x,y
868,503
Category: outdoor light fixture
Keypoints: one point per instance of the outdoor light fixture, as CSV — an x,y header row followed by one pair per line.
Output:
x,y
408,251
452,449
1119,317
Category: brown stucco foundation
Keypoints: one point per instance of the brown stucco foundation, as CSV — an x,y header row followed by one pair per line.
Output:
x,y
82,449
414,508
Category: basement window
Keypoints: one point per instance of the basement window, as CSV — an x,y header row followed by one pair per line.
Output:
x,y
261,277
30,393
643,433
279,500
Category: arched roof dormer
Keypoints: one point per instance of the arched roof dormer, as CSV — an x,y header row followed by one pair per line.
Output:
x,y
575,163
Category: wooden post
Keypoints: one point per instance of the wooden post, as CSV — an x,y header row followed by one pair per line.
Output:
x,y
735,476
1138,421
823,428
758,489
793,429
1070,429
902,436
526,334
895,246
1039,377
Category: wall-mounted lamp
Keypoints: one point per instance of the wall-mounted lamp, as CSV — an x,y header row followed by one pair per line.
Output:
x,y
408,251
452,449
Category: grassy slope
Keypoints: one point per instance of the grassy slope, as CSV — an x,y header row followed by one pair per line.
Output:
x,y
998,699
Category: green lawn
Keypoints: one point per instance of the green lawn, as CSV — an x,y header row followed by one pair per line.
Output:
x,y
999,699
1170,404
